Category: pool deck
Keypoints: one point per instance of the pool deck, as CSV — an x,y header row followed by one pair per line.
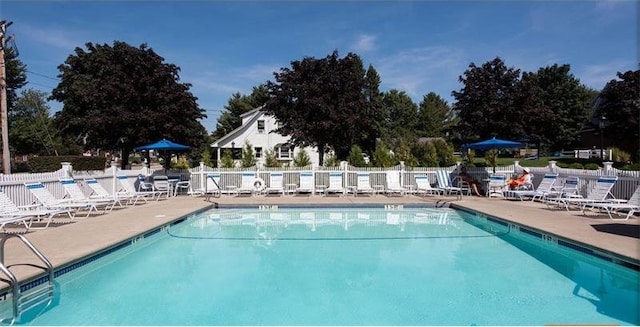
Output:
x,y
66,242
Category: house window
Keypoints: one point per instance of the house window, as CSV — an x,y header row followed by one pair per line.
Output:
x,y
258,153
261,126
284,152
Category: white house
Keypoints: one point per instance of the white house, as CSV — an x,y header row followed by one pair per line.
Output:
x,y
257,128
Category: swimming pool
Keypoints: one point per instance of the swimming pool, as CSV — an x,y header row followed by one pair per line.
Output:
x,y
339,266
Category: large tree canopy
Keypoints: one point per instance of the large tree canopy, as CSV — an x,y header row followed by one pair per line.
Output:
x,y
485,105
557,106
435,116
322,102
620,106
118,97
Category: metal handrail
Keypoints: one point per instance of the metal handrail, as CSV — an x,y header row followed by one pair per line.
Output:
x,y
15,287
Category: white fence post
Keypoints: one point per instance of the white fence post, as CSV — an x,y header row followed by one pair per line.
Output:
x,y
67,169
608,168
552,166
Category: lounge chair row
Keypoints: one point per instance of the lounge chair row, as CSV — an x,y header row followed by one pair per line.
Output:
x,y
251,184
566,196
46,206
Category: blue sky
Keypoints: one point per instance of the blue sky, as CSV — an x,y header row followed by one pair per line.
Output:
x,y
224,47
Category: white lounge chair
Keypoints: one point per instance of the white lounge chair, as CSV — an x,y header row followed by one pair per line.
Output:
x,y
49,201
363,185
544,188
600,193
616,206
247,184
335,183
75,193
130,189
570,188
307,183
276,180
99,192
212,185
424,187
10,213
445,183
393,183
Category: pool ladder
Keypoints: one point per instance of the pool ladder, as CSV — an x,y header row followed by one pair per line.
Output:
x,y
23,301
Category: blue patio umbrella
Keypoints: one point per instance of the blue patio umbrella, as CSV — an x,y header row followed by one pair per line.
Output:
x,y
163,146
494,143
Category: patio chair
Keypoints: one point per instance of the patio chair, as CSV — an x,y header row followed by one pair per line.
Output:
x,y
393,183
545,187
424,187
162,186
363,185
48,200
10,213
75,193
600,193
130,189
276,180
335,183
616,206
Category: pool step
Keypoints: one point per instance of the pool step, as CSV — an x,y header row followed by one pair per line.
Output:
x,y
35,296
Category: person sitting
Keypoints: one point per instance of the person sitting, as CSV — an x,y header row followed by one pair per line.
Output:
x,y
525,178
473,184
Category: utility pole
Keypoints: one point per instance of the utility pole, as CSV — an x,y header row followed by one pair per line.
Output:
x,y
4,120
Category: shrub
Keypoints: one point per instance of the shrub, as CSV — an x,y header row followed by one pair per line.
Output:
x,y
248,157
355,157
576,165
270,159
591,166
302,159
227,160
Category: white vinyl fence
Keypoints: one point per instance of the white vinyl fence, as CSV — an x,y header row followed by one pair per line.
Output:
x,y
13,184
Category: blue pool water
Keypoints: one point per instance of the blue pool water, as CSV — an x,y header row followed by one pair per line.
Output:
x,y
343,267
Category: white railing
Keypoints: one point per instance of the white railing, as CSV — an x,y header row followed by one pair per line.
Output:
x,y
13,184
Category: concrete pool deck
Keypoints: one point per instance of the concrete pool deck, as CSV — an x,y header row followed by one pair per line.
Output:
x,y
66,242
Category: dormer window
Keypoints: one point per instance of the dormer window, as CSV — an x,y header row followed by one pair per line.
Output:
x,y
261,126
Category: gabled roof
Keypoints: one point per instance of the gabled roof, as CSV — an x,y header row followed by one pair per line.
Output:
x,y
257,113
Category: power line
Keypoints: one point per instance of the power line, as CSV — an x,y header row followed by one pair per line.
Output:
x,y
51,87
43,75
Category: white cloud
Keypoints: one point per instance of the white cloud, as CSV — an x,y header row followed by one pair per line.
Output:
x,y
419,71
364,43
53,37
597,76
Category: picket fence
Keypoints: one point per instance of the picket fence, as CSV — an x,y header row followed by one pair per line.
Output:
x,y
13,184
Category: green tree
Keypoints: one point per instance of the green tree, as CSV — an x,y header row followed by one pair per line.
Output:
x,y
270,159
315,96
31,128
434,116
374,97
206,157
382,156
485,105
403,153
301,159
355,157
619,103
555,109
425,153
248,157
237,105
227,159
401,116
16,76
444,152
118,97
